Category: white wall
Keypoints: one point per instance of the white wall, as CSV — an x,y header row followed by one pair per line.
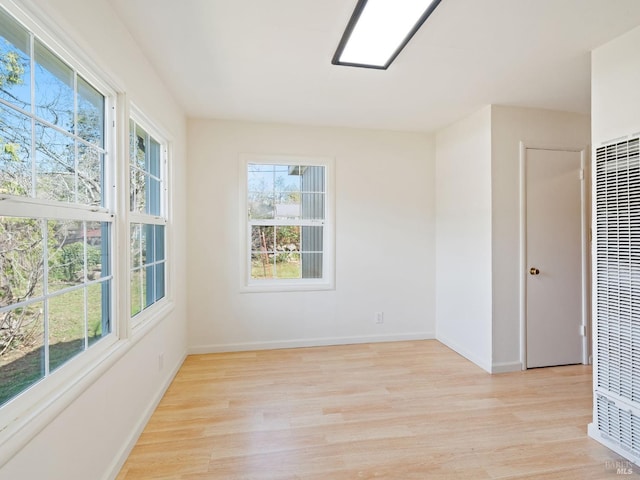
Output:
x,y
88,439
615,92
536,128
463,237
478,226
384,239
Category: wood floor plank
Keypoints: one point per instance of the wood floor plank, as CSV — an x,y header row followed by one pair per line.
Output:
x,y
404,410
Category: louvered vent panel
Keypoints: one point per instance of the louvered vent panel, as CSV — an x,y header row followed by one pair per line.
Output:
x,y
618,425
618,269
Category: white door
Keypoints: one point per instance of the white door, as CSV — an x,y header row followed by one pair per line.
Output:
x,y
554,291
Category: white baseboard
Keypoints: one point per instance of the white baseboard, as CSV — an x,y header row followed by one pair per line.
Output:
x,y
497,367
307,342
123,454
485,365
506,367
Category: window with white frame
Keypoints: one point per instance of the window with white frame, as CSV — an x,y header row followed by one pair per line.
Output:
x,y
56,215
147,194
288,223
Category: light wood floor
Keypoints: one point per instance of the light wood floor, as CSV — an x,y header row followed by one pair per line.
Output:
x,y
407,410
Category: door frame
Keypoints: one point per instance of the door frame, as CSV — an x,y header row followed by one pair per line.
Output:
x,y
585,287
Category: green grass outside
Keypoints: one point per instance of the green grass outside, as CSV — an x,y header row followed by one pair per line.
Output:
x,y
280,270
21,368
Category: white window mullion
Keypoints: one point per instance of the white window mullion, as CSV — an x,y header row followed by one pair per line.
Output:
x,y
32,85
45,290
75,135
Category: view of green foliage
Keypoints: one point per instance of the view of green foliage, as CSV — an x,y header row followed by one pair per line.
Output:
x,y
34,251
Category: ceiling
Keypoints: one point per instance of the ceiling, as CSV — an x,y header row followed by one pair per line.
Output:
x,y
270,60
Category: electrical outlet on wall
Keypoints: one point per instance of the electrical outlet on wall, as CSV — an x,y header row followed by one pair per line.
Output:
x,y
379,317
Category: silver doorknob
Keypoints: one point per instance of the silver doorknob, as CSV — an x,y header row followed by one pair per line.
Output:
x,y
534,271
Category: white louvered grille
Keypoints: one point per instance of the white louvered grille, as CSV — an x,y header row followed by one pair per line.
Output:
x,y
619,425
618,269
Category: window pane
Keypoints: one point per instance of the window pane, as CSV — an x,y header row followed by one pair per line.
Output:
x,y
312,239
90,168
97,245
153,200
159,281
140,138
287,252
154,158
21,262
146,241
22,357
136,292
159,242
98,311
54,89
90,113
55,165
66,254
312,246
287,179
262,265
288,265
148,238
15,147
138,190
313,206
313,179
262,239
136,245
15,62
261,178
148,282
290,210
261,206
311,265
66,327
287,239
143,288
145,172
287,192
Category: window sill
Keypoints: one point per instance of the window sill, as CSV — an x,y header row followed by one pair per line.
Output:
x,y
146,320
274,287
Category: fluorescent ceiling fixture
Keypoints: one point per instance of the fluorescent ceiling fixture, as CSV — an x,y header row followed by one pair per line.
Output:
x,y
379,29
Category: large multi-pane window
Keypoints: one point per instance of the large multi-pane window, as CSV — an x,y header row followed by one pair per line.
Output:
x,y
55,214
288,222
147,196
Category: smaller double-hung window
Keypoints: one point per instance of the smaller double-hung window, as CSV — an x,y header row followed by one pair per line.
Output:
x,y
289,223
148,218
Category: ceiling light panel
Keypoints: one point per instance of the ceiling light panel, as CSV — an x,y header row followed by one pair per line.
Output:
x,y
379,29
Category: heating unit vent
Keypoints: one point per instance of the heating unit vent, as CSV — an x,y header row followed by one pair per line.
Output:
x,y
618,425
617,265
